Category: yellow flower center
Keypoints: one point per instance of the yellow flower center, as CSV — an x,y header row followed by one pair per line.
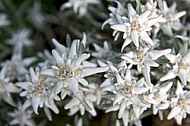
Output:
x,y
135,25
140,54
182,65
36,90
181,102
64,73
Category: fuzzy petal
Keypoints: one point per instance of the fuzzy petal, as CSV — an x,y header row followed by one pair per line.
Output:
x,y
118,98
153,21
49,72
83,82
87,71
47,113
172,58
58,58
77,62
119,27
174,112
72,103
182,74
73,49
34,78
144,17
131,10
121,110
126,42
135,38
166,88
178,15
11,88
168,30
179,89
140,90
169,75
155,54
113,108
150,62
24,85
35,104
144,36
136,110
61,48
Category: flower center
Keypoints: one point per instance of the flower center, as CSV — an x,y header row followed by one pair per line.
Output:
x,y
182,65
127,90
181,102
140,54
157,96
36,90
64,73
135,25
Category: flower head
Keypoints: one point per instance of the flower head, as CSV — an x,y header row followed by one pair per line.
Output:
x,y
180,67
79,6
170,17
180,104
7,87
21,116
135,27
70,71
36,92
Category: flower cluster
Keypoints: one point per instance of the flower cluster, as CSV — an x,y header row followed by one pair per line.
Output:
x,y
133,61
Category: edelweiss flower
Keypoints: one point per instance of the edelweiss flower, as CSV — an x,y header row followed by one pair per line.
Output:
x,y
158,97
129,94
180,105
151,5
181,67
36,92
135,27
36,17
20,39
79,6
16,67
144,59
6,88
70,71
21,116
170,18
115,17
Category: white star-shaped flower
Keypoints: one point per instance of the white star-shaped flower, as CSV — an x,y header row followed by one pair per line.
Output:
x,y
20,39
144,59
129,93
79,6
16,67
170,17
158,97
180,67
180,104
21,116
36,92
70,71
135,27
